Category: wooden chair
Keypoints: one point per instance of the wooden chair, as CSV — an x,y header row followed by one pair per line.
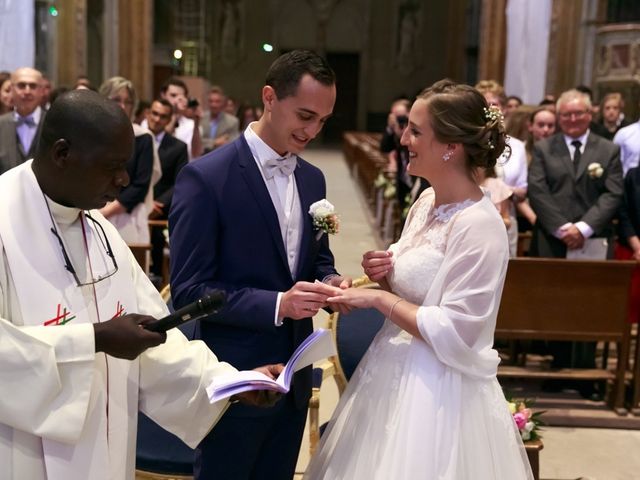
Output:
x,y
160,455
142,252
352,333
162,225
558,299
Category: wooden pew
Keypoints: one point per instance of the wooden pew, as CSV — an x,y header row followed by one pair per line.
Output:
x,y
557,299
142,253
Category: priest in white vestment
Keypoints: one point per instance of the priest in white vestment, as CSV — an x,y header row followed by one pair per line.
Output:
x,y
76,366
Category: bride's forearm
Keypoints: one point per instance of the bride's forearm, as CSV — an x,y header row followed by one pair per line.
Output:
x,y
399,311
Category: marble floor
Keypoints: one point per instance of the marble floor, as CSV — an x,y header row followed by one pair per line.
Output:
x,y
569,453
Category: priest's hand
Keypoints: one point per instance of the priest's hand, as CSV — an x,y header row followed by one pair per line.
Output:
x,y
124,337
262,398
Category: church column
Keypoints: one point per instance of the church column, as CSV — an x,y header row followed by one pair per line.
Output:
x,y
72,40
135,30
493,37
566,51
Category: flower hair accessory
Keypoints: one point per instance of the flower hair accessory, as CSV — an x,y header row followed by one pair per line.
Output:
x,y
595,170
493,113
324,218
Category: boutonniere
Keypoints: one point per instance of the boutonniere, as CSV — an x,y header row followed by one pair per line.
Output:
x,y
595,170
324,218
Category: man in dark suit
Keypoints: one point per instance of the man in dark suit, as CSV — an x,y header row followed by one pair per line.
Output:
x,y
239,222
173,156
20,129
575,188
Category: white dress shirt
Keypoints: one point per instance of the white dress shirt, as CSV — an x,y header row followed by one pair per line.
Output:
x,y
585,229
26,133
284,195
629,140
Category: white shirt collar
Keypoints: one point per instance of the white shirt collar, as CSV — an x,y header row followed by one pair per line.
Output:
x,y
160,137
582,139
36,114
259,149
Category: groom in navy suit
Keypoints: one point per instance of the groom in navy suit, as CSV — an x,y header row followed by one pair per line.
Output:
x,y
239,222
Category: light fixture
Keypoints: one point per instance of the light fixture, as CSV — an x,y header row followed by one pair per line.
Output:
x,y
177,54
267,47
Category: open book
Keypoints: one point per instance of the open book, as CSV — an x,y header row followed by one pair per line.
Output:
x,y
315,347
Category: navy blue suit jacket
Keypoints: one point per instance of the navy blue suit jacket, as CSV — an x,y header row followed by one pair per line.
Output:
x,y
225,235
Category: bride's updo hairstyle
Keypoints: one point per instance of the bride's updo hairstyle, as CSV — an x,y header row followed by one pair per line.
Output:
x,y
460,114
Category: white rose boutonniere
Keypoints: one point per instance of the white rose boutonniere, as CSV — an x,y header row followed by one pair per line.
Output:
x,y
324,217
595,170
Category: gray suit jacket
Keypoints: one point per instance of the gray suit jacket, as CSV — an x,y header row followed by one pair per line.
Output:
x,y
559,194
227,125
11,151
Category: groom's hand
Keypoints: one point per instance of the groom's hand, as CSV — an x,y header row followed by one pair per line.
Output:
x,y
342,283
304,300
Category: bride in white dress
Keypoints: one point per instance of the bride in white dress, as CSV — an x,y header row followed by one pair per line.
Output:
x,y
424,402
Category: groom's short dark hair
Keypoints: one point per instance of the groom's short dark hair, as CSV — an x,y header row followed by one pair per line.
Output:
x,y
286,71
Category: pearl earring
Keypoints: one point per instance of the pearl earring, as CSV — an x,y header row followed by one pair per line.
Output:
x,y
447,155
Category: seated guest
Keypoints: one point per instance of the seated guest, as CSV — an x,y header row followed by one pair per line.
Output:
x,y
129,212
610,118
173,156
218,126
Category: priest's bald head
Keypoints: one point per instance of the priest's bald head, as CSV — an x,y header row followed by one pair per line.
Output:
x,y
83,150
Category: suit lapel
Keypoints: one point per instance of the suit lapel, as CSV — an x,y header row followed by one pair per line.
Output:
x,y
305,203
258,189
589,155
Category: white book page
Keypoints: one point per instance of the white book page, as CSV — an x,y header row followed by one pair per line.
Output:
x,y
317,346
593,249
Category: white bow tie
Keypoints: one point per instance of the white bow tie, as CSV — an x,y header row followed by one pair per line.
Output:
x,y
284,166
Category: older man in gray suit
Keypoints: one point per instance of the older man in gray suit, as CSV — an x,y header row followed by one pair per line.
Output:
x,y
575,188
575,182
20,129
218,127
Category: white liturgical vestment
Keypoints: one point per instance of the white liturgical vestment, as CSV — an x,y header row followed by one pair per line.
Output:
x,y
67,412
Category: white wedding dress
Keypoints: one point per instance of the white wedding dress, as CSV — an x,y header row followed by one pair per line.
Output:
x,y
431,407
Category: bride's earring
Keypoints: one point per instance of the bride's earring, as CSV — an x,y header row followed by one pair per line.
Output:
x,y
447,155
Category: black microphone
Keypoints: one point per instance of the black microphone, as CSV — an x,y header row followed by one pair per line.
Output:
x,y
206,305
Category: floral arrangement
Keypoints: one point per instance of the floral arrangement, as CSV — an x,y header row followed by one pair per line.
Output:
x,y
595,170
527,421
324,217
389,189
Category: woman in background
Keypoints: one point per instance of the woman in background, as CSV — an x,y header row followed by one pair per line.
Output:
x,y
6,99
130,211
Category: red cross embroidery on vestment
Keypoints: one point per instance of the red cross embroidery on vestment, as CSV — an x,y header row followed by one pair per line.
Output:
x,y
61,317
120,311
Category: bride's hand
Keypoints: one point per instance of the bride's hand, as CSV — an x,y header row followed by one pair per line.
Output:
x,y
377,264
356,297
